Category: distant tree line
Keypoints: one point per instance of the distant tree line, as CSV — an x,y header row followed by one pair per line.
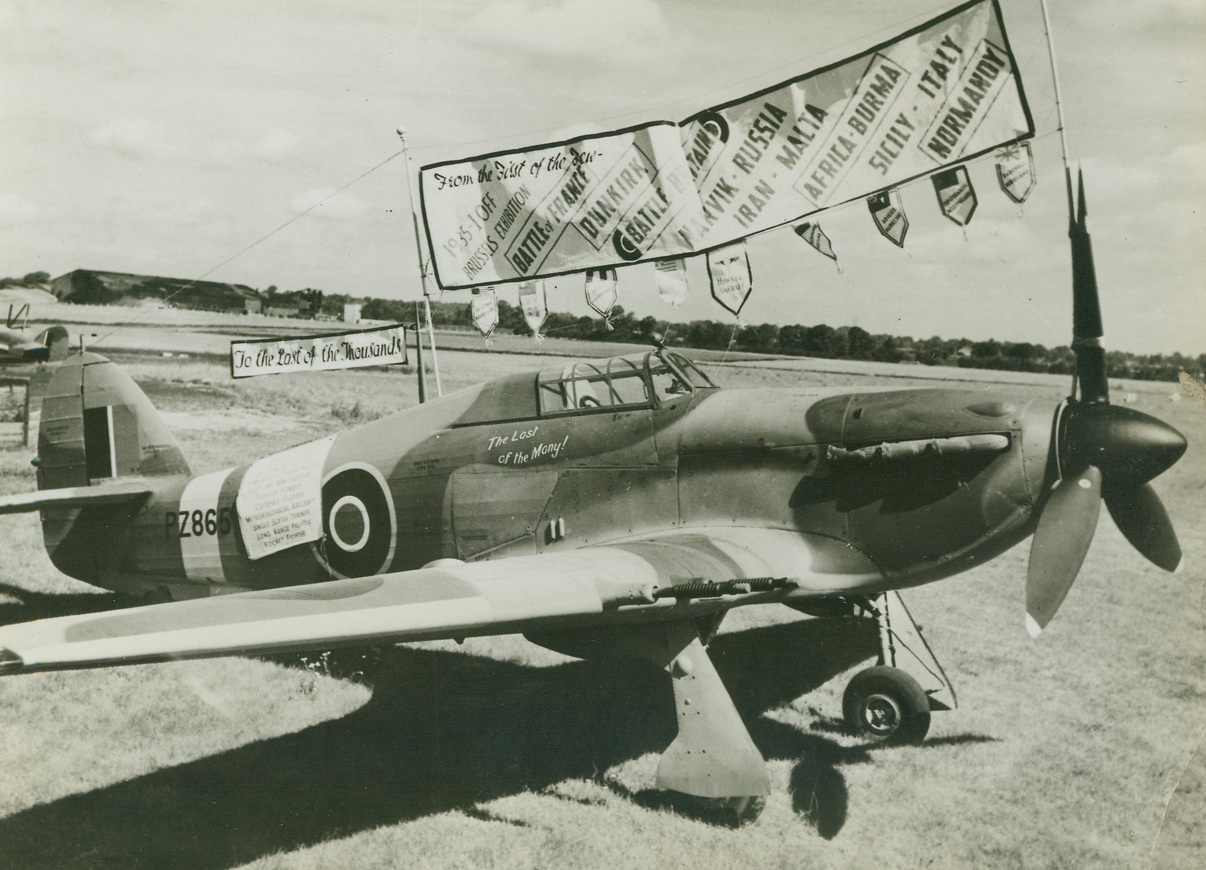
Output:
x,y
33,279
819,340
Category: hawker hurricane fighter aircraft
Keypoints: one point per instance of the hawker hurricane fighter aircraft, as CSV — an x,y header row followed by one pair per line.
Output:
x,y
600,508
20,344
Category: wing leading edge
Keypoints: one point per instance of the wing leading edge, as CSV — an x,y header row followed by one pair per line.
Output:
x,y
588,587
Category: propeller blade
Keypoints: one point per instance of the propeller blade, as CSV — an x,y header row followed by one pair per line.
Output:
x,y
1140,516
1086,307
1065,530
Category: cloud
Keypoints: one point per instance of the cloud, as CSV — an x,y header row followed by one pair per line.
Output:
x,y
325,202
275,145
136,138
584,29
1162,14
16,209
271,147
1189,162
190,213
1157,17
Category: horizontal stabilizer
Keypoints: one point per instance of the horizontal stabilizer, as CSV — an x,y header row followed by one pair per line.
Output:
x,y
106,494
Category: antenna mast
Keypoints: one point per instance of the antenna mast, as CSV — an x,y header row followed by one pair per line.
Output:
x,y
414,221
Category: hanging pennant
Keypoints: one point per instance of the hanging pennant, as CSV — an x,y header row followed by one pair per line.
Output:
x,y
670,275
1015,171
483,308
534,304
956,196
731,276
601,294
889,216
815,236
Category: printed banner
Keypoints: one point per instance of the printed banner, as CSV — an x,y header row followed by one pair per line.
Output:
x,y
940,94
385,345
534,304
601,292
671,279
731,276
280,499
815,236
888,214
1015,171
956,196
483,308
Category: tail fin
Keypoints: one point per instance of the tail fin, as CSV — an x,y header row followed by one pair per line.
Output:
x,y
101,444
98,425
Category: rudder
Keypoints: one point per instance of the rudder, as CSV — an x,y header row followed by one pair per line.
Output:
x,y
97,425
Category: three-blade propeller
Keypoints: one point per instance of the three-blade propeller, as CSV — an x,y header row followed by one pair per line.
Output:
x,y
1101,452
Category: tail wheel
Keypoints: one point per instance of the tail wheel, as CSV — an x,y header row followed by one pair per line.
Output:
x,y
886,705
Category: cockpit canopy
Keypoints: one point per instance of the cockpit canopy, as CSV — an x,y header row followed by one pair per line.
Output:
x,y
637,381
623,382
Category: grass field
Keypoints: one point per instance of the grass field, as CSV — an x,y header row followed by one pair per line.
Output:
x,y
1081,749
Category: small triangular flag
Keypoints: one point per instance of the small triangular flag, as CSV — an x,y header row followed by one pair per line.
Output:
x,y
815,236
956,196
731,276
888,214
670,275
483,308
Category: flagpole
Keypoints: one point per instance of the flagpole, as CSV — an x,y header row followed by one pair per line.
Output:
x,y
1059,105
1087,330
419,356
414,221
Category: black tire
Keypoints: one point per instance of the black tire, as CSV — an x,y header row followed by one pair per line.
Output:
x,y
886,705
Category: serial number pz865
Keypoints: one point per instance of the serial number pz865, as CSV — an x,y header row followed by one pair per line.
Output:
x,y
198,523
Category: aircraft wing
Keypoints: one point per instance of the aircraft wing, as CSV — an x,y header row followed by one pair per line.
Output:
x,y
588,587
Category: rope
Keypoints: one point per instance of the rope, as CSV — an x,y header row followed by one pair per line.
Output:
x,y
259,241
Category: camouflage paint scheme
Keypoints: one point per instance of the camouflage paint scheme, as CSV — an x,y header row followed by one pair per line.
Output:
x,y
615,508
442,480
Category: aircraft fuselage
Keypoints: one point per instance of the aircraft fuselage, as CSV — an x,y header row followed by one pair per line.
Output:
x,y
887,488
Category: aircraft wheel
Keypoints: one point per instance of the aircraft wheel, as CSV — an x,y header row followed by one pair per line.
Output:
x,y
886,705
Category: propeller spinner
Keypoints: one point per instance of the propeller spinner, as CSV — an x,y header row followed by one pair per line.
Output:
x,y
1101,452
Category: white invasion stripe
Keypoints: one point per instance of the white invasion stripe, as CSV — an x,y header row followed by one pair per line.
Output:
x,y
201,553
112,441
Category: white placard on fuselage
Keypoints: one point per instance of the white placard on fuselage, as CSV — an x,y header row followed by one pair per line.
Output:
x,y
280,499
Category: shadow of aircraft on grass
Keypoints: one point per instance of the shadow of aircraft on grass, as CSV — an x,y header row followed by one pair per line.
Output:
x,y
443,732
46,605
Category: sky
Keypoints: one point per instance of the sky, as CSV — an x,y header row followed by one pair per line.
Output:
x,y
173,137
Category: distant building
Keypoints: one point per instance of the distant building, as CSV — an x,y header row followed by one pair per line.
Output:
x,y
351,312
88,286
282,311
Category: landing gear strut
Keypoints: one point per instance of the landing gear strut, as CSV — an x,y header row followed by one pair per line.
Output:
x,y
891,702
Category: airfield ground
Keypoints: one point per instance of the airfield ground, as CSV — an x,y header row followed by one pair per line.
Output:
x,y
1076,750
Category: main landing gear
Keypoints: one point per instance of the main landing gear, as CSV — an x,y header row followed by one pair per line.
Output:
x,y
886,704
891,702
712,769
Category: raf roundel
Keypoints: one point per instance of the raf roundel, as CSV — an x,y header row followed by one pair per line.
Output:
x,y
359,522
